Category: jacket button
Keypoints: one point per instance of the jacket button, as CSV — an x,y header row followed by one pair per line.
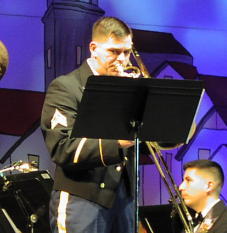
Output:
x,y
102,185
118,168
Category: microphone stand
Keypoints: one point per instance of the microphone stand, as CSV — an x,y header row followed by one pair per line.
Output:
x,y
20,166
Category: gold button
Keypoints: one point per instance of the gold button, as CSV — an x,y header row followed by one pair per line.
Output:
x,y
102,185
118,168
126,158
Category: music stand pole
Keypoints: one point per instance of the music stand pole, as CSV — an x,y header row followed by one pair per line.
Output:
x,y
137,125
136,185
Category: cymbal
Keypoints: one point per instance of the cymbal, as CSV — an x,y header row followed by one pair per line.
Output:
x,y
4,59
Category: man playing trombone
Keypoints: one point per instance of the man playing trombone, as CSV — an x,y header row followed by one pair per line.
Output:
x,y
201,187
92,190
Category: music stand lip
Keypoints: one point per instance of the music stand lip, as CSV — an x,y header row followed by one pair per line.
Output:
x,y
165,108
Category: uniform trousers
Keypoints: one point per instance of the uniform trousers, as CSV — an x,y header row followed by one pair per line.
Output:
x,y
72,214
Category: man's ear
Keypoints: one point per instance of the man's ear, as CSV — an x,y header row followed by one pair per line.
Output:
x,y
92,47
210,186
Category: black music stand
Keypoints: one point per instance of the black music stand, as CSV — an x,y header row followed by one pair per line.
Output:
x,y
157,110
24,202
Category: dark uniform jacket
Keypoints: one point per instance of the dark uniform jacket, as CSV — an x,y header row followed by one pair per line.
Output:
x,y
89,168
215,221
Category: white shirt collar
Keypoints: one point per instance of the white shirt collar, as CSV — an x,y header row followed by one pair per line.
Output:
x,y
208,208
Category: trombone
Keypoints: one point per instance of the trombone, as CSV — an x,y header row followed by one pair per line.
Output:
x,y
157,157
176,197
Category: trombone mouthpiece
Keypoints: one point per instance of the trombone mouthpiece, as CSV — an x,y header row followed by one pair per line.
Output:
x,y
119,69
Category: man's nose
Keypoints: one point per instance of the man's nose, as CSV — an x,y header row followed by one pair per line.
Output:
x,y
181,186
121,56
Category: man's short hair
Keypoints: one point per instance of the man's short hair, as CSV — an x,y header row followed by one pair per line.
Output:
x,y
4,59
210,167
106,27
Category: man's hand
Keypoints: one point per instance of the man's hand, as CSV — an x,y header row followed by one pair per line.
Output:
x,y
125,143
